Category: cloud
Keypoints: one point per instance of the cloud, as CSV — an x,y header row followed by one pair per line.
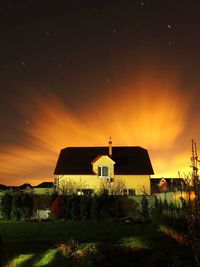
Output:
x,y
150,111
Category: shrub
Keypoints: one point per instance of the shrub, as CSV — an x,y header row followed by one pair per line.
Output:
x,y
58,208
6,205
16,206
75,207
104,207
70,248
144,208
26,206
95,208
85,208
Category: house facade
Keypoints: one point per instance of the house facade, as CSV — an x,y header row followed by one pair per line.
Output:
x,y
45,188
118,169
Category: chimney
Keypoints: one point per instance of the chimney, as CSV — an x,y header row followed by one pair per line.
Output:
x,y
110,147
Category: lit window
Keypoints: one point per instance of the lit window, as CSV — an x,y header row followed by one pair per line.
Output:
x,y
103,171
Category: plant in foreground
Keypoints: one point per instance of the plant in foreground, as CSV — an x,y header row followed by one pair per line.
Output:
x,y
70,248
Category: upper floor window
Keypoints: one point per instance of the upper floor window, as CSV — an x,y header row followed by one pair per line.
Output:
x,y
103,171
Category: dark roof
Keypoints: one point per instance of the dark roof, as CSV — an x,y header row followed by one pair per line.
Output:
x,y
172,184
3,187
24,186
45,185
128,160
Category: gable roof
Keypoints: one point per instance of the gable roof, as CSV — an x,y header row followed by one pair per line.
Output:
x,y
45,185
128,160
173,183
98,157
24,186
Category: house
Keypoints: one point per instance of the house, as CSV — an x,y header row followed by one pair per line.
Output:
x,y
91,168
45,188
159,185
26,188
3,187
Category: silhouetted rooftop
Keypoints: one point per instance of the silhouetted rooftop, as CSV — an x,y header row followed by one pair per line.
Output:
x,y
128,160
3,187
24,186
45,185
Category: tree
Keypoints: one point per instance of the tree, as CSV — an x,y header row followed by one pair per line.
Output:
x,y
115,187
75,207
85,207
16,206
58,208
95,208
70,187
144,208
192,209
26,206
6,205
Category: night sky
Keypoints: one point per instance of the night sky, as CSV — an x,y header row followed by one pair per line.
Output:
x,y
74,73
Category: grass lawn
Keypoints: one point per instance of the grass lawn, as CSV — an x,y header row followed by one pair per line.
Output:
x,y
78,243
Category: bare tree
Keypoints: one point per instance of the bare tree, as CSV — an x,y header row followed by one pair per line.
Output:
x,y
69,186
193,206
115,187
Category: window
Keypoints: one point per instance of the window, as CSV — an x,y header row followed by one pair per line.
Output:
x,y
103,171
88,192
131,192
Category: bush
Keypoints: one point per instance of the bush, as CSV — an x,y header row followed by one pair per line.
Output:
x,y
6,205
144,208
58,208
85,208
75,207
26,206
16,206
104,204
70,248
95,208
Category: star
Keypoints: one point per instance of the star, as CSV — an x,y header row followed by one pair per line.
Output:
x,y
48,33
23,64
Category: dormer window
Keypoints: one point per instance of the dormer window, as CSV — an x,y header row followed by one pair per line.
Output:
x,y
103,171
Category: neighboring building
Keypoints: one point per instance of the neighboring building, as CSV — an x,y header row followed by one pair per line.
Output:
x,y
159,185
26,188
90,167
45,188
3,187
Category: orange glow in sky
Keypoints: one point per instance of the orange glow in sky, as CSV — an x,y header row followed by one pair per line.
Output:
x,y
149,112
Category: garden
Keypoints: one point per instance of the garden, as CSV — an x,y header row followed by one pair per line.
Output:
x,y
96,231
93,243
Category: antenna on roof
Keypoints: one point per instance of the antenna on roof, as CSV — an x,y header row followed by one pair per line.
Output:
x,y
110,147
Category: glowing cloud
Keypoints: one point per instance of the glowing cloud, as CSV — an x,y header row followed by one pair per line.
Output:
x,y
149,112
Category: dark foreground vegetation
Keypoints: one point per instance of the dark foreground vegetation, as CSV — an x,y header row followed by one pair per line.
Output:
x,y
91,243
94,231
99,231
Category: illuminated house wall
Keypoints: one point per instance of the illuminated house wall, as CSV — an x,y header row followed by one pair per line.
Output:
x,y
45,188
89,167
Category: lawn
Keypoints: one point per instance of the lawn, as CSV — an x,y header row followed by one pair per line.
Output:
x,y
89,243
